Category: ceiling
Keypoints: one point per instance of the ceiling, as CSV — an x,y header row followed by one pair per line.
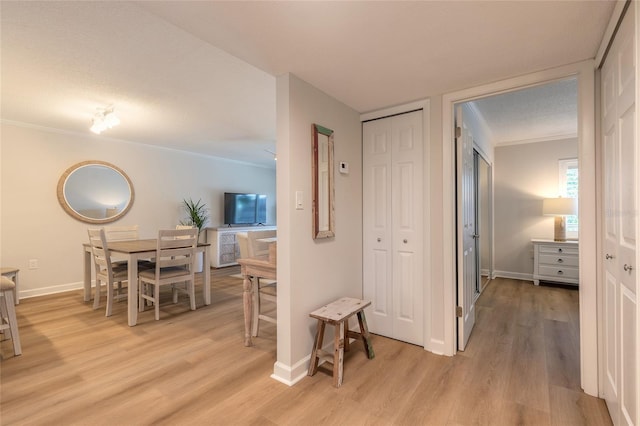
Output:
x,y
535,114
200,76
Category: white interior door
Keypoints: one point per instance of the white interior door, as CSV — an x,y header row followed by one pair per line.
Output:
x,y
377,232
393,226
467,259
620,227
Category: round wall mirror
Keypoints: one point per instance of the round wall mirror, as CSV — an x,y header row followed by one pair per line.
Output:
x,y
95,192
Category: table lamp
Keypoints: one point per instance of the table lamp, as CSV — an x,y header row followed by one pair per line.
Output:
x,y
560,208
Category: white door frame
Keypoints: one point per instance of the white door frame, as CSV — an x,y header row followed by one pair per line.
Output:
x,y
585,73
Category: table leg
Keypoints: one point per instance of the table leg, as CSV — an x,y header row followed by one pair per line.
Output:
x,y
207,277
366,338
132,296
87,274
338,354
16,291
317,346
248,308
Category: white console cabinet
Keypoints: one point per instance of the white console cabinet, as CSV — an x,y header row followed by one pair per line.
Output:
x,y
224,244
555,261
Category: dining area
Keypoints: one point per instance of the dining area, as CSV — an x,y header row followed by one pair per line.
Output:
x,y
115,254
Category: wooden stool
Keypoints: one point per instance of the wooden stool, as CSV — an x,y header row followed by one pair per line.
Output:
x,y
337,314
8,318
12,273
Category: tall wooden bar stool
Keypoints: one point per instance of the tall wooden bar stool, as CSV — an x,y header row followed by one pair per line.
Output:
x,y
337,314
12,274
8,318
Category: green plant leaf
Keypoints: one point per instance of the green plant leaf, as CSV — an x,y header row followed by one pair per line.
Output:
x,y
197,214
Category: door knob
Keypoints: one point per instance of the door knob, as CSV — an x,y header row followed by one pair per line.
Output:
x,y
405,241
608,256
627,268
379,239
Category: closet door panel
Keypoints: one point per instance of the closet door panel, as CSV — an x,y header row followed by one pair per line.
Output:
x,y
619,92
628,383
377,253
392,226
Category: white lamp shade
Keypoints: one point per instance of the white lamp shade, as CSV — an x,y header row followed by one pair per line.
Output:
x,y
560,206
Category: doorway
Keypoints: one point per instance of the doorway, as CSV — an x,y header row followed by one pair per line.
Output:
x,y
586,156
531,134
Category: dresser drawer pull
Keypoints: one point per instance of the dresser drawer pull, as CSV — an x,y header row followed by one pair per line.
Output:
x,y
560,260
560,272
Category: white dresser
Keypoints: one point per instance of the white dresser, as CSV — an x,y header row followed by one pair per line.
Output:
x,y
555,261
224,244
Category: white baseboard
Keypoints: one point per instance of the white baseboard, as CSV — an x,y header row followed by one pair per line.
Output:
x,y
290,375
514,275
25,294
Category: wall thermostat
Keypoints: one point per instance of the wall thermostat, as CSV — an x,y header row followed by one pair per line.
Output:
x,y
344,167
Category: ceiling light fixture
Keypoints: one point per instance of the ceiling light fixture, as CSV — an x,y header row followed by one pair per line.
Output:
x,y
104,119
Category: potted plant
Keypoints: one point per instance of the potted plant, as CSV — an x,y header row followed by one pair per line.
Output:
x,y
197,215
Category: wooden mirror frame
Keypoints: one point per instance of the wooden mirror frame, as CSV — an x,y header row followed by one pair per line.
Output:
x,y
322,176
62,198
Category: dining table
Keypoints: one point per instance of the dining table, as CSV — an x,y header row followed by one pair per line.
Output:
x,y
135,250
253,269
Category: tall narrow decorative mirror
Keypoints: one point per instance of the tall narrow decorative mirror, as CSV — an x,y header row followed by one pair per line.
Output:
x,y
322,178
95,192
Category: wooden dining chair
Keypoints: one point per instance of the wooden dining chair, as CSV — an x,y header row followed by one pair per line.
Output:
x,y
121,233
113,274
8,319
257,247
264,290
175,258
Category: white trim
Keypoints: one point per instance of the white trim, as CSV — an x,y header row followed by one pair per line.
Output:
x,y
586,148
607,38
291,375
43,291
513,275
536,140
398,109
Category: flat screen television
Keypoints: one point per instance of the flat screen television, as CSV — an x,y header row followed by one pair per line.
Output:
x,y
244,209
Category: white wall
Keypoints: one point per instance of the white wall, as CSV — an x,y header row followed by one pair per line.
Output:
x,y
34,225
524,176
436,305
311,272
481,136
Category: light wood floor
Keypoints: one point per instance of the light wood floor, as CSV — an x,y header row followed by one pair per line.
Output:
x,y
79,367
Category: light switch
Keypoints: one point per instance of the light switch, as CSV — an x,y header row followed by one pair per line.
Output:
x,y
298,200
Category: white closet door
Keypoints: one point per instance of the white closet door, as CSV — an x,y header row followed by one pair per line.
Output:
x,y
393,226
620,189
